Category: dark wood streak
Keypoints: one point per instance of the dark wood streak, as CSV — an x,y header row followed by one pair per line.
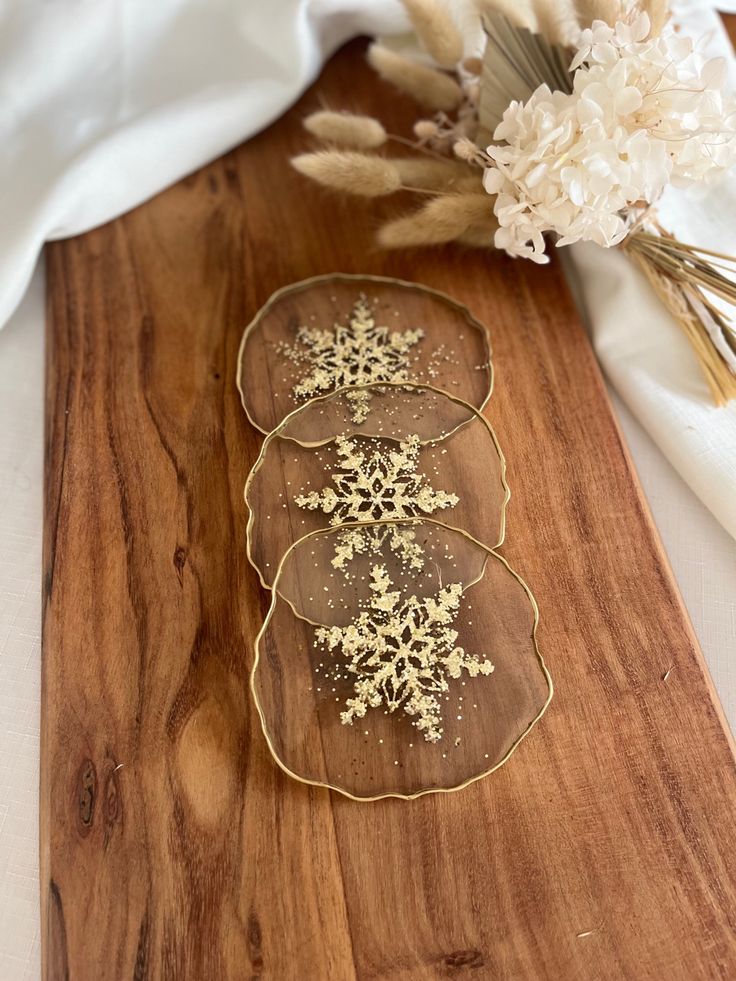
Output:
x,y
58,960
87,791
140,968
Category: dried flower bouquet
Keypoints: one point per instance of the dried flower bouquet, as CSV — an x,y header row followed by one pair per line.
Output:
x,y
553,121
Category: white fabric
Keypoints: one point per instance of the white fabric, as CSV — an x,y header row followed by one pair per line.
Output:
x,y
104,104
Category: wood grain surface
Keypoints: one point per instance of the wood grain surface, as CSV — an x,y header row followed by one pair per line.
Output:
x,y
171,844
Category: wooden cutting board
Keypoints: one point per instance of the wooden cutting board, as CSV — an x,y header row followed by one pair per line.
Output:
x,y
171,844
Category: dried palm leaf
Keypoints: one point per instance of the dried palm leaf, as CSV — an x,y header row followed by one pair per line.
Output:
x,y
516,62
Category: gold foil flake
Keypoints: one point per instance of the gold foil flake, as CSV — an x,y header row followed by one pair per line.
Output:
x,y
401,653
377,484
358,353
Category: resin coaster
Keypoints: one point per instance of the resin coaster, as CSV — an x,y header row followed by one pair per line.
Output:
x,y
383,679
322,334
419,452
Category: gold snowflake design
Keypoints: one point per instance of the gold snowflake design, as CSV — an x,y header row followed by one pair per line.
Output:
x,y
371,486
358,353
371,540
401,653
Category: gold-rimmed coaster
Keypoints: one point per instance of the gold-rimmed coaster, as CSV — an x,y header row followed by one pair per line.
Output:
x,y
393,681
321,334
419,451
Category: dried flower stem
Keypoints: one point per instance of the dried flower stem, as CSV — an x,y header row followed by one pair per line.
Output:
x,y
679,276
415,145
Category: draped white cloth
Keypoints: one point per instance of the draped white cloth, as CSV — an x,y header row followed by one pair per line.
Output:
x,y
104,104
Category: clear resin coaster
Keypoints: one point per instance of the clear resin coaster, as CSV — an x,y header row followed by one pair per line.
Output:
x,y
322,334
418,452
388,680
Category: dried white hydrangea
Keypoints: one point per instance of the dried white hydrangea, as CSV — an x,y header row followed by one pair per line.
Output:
x,y
644,112
370,486
401,652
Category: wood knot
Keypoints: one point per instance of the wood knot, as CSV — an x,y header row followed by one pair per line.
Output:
x,y
180,558
207,761
461,960
86,796
255,951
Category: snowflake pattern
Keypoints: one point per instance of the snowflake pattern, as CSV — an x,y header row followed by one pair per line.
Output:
x,y
358,353
372,486
370,541
401,653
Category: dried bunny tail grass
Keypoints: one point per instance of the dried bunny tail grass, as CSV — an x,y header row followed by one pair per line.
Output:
x,y
558,20
467,150
346,129
355,173
658,12
519,13
480,234
436,30
428,86
434,175
609,11
442,219
473,65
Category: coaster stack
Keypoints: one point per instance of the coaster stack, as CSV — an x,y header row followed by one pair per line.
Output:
x,y
399,654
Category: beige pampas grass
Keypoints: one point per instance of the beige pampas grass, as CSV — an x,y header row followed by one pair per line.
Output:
x,y
473,65
609,11
480,234
434,175
428,86
441,220
346,129
355,173
436,30
557,20
659,14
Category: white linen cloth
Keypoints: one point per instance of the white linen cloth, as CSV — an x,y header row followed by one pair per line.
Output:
x,y
104,104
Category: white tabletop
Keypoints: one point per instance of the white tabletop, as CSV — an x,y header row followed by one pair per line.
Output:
x,y
702,555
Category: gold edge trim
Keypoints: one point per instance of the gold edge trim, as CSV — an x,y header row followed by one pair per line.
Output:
x,y
351,388
303,284
420,793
